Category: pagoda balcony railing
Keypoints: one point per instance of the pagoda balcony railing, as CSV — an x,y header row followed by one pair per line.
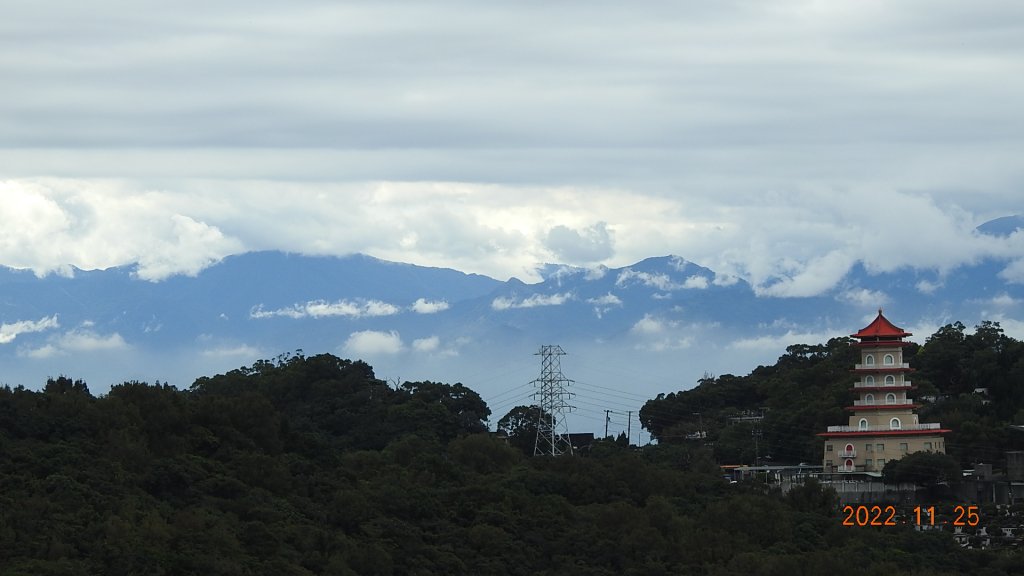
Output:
x,y
880,366
926,426
884,402
881,384
845,468
848,453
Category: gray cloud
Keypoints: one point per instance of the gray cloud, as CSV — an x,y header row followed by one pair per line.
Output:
x,y
780,143
592,244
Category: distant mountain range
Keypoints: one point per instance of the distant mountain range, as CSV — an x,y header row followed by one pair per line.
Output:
x,y
651,327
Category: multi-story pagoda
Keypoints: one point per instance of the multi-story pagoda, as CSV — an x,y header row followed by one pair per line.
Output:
x,y
883,425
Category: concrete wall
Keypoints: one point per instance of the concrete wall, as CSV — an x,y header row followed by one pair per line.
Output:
x,y
1015,466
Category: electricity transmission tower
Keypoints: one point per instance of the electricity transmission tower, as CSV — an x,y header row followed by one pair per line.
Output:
x,y
552,428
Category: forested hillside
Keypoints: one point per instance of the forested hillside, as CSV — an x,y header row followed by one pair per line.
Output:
x,y
311,465
972,383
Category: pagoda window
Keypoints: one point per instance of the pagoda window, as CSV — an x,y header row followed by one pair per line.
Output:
x,y
869,360
863,424
890,380
869,379
849,465
894,424
890,398
888,360
869,398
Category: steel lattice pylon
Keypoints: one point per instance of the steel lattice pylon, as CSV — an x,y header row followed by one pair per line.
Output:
x,y
552,428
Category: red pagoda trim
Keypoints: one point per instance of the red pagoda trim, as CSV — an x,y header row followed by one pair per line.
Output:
x,y
881,328
885,433
882,407
881,344
881,368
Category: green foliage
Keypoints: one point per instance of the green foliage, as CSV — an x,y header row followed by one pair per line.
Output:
x,y
954,364
798,397
977,380
304,466
923,469
519,425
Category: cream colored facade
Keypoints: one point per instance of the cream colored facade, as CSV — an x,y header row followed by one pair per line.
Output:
x,y
869,454
882,425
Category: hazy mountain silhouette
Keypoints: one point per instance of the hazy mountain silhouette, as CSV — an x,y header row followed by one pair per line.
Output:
x,y
674,316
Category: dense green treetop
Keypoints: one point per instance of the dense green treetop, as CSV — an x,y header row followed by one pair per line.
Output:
x,y
974,381
310,465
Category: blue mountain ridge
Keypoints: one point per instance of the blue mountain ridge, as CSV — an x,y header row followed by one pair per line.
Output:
x,y
675,318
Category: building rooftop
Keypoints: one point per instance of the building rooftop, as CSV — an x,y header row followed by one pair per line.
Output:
x,y
881,328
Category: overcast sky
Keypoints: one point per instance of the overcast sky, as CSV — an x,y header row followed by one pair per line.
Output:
x,y
772,140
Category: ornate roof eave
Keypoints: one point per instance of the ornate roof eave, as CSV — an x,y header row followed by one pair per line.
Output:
x,y
881,344
880,407
876,433
880,327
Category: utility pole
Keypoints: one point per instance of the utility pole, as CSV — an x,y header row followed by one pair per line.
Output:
x,y
607,417
629,424
554,404
756,433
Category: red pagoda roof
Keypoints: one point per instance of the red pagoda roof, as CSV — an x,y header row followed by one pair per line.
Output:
x,y
881,328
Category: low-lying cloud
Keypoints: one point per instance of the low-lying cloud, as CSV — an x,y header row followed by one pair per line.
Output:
x,y
325,309
78,340
424,306
10,331
661,281
372,343
533,301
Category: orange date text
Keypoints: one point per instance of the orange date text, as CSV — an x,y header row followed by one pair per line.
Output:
x,y
863,515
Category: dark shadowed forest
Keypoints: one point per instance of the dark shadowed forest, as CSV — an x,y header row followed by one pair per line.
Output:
x,y
311,465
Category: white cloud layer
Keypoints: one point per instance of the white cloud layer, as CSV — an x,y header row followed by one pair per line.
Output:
x,y
10,331
99,225
373,343
77,340
654,334
53,224
534,300
770,342
324,309
592,244
603,304
655,280
235,351
424,306
864,298
429,344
